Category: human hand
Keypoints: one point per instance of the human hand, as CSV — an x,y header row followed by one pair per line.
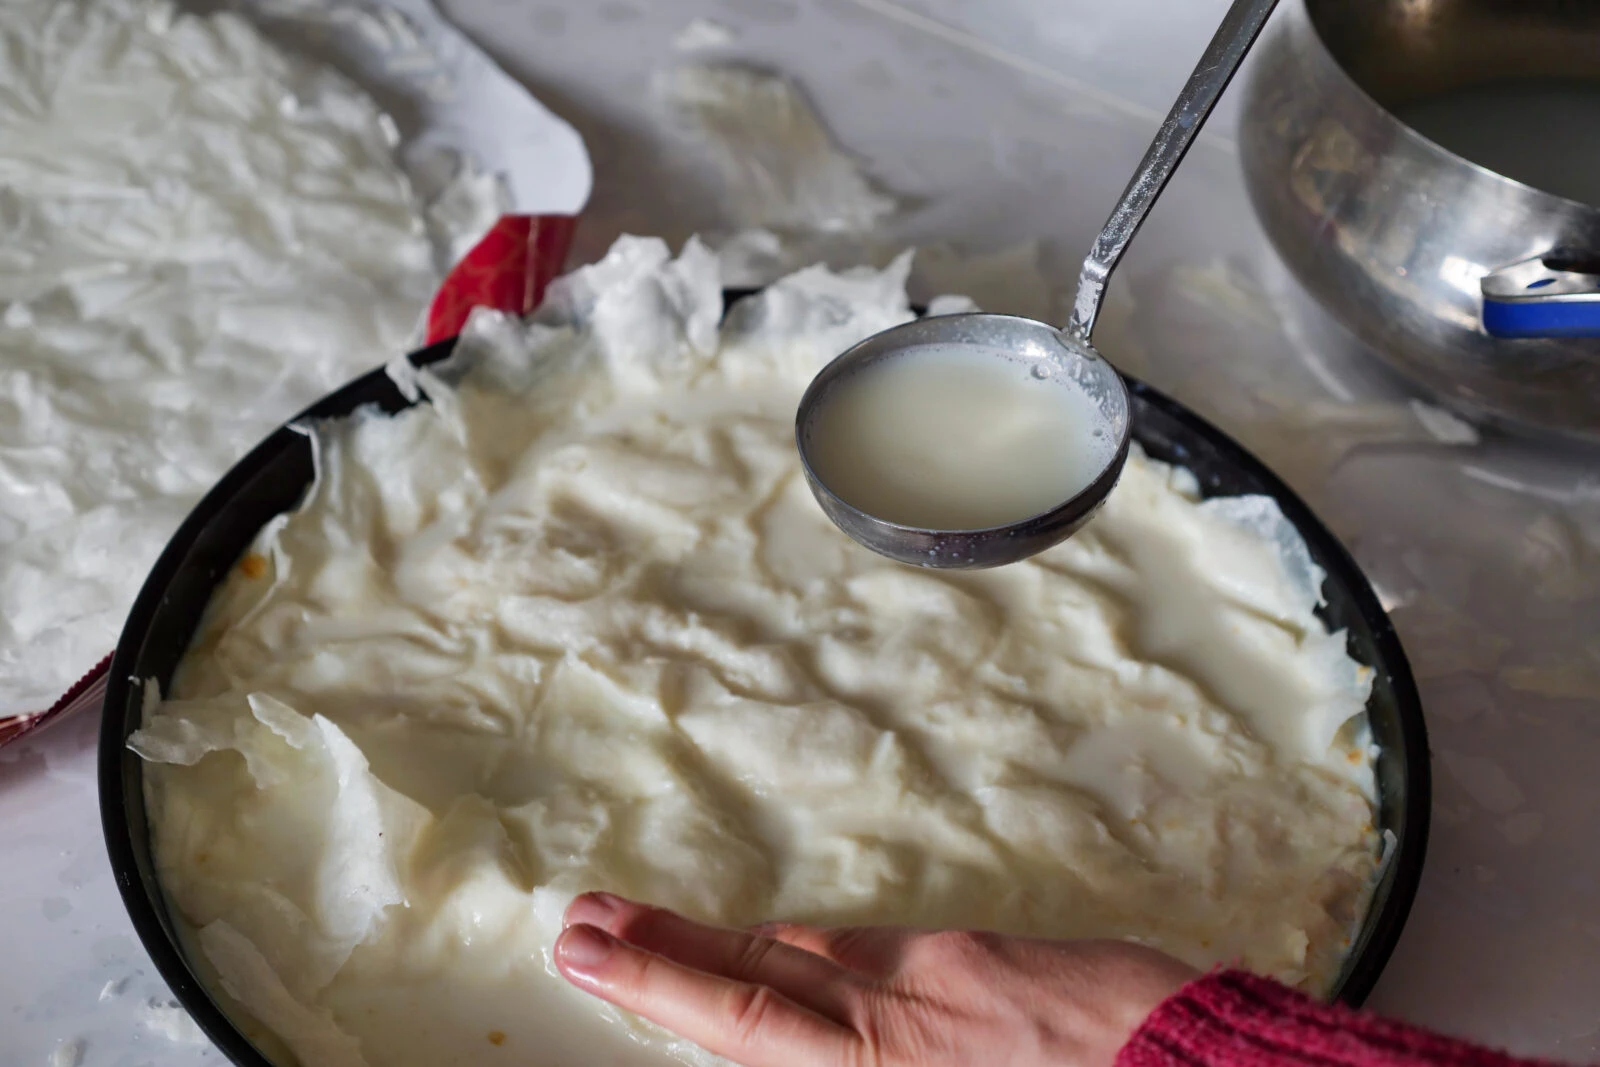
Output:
x,y
801,996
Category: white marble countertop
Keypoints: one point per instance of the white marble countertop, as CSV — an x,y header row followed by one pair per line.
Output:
x,y
994,124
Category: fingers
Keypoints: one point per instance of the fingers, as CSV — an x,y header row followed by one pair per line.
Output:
x,y
747,1022
873,951
807,979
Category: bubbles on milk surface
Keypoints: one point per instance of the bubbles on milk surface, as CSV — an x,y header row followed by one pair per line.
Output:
x,y
957,437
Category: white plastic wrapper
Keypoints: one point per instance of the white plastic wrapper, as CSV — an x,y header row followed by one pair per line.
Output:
x,y
450,101
204,227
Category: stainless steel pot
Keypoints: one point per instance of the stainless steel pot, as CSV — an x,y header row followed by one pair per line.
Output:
x,y
1410,245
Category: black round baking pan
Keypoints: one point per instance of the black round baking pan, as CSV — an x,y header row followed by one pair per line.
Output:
x,y
273,477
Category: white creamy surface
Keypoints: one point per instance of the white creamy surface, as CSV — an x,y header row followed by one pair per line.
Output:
x,y
1488,555
198,236
958,437
579,624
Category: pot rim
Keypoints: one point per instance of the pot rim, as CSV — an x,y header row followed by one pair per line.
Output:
x,y
1306,30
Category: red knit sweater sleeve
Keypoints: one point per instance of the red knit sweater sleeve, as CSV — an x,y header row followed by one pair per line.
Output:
x,y
1235,1019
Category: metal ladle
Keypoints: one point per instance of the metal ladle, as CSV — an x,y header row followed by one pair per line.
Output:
x,y
1068,349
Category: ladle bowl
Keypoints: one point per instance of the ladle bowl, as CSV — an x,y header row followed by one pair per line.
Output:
x,y
1007,337
993,546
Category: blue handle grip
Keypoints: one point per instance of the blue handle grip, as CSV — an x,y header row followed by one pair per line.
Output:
x,y
1553,295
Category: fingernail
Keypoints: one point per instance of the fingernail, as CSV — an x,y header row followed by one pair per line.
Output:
x,y
592,909
582,948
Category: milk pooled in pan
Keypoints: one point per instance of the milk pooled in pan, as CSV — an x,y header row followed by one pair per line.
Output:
x,y
578,624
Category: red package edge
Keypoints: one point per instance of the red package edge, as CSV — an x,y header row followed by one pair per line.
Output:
x,y
508,270
85,691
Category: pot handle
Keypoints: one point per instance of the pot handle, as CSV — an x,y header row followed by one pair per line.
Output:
x,y
1556,294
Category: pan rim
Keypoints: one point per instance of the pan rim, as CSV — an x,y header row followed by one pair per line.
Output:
x,y
121,777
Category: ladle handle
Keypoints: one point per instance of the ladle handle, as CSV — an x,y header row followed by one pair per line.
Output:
x,y
1223,55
